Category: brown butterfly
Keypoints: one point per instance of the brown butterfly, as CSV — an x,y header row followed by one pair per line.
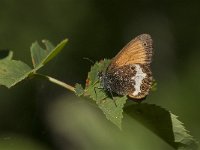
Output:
x,y
129,71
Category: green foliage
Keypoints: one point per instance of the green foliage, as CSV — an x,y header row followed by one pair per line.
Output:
x,y
181,136
158,120
164,124
112,108
14,71
41,56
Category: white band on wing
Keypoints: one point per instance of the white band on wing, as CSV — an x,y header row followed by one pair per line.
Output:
x,y
139,76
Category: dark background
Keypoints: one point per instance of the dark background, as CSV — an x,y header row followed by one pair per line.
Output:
x,y
30,112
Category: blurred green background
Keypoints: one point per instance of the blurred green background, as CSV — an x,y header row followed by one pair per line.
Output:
x,y
36,114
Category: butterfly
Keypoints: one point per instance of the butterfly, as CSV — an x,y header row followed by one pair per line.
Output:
x,y
129,71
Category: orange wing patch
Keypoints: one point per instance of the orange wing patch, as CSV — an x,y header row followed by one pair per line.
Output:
x,y
137,51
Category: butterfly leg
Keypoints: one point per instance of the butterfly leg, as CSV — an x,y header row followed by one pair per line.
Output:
x,y
96,91
112,97
106,96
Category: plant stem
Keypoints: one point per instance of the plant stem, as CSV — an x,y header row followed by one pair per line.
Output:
x,y
53,80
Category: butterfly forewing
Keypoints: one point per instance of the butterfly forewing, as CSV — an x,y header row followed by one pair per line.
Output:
x,y
137,51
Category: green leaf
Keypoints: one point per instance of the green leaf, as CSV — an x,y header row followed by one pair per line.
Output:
x,y
79,89
12,72
164,124
112,108
182,137
41,56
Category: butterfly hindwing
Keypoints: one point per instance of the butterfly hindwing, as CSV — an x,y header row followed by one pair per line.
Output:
x,y
118,80
132,80
143,80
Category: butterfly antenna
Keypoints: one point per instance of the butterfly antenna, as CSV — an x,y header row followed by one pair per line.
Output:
x,y
88,59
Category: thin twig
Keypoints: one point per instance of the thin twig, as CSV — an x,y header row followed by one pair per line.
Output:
x,y
53,80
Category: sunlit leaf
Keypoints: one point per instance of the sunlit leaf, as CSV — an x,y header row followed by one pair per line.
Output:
x,y
12,72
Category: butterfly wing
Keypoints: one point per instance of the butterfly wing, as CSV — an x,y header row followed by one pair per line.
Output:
x,y
133,80
142,82
136,55
137,51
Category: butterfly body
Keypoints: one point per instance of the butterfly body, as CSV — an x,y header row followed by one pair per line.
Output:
x,y
129,71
